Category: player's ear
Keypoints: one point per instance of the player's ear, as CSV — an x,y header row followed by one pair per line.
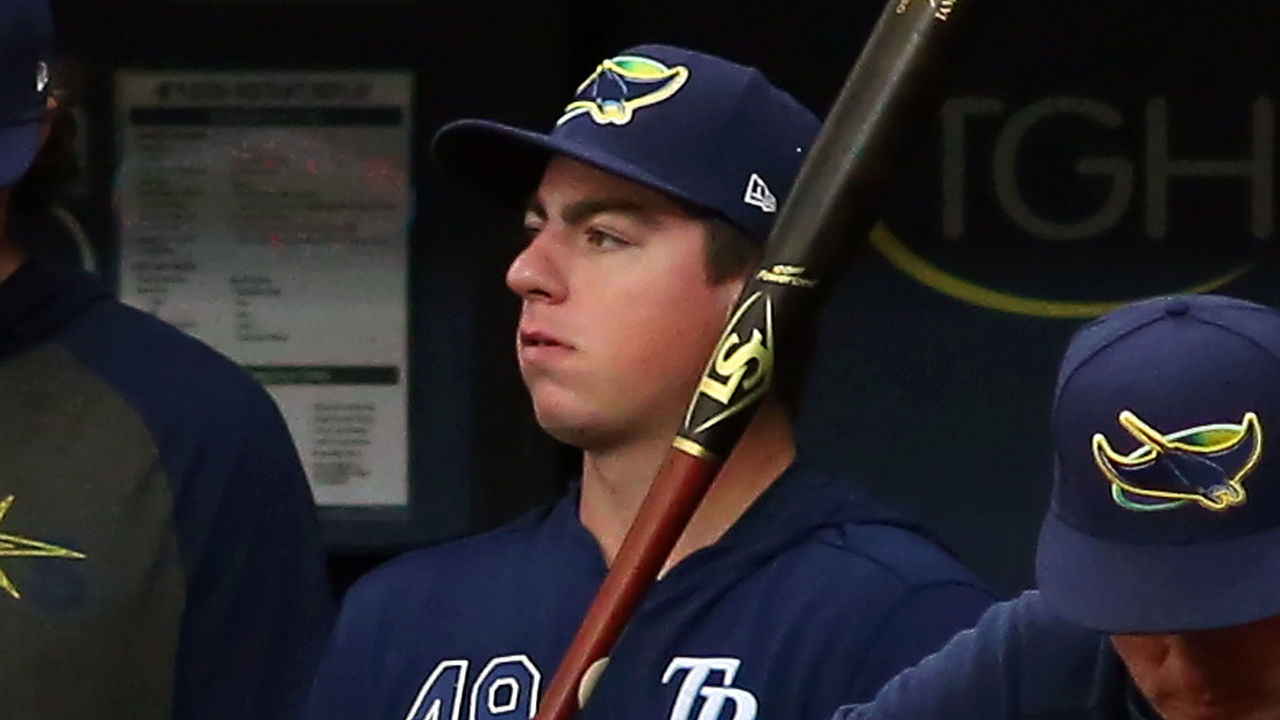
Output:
x,y
46,128
727,292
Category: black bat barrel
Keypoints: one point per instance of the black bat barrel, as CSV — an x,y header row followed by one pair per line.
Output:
x,y
886,102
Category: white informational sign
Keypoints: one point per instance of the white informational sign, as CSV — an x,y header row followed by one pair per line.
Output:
x,y
268,215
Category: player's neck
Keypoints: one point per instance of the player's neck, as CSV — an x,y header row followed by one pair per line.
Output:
x,y
11,256
614,483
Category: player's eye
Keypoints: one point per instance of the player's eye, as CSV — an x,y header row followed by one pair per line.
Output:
x,y
604,240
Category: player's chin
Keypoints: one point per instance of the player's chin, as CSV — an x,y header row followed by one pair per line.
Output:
x,y
573,435
569,422
582,435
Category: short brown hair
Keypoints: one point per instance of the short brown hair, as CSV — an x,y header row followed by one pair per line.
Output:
x,y
732,255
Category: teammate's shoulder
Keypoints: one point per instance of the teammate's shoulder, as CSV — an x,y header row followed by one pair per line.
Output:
x,y
1023,618
1054,664
113,332
1019,661
165,373
1052,658
1041,633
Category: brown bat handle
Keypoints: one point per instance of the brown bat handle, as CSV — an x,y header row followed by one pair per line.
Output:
x,y
674,496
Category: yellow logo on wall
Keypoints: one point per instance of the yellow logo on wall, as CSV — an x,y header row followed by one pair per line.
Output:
x,y
916,267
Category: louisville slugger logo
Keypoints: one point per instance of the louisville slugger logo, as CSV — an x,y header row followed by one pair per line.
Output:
x,y
941,8
741,369
741,362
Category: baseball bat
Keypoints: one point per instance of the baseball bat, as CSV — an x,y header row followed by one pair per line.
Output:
x,y
891,90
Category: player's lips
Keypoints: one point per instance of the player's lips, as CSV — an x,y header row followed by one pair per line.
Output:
x,y
538,344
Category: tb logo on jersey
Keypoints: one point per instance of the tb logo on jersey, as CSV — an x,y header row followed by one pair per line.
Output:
x,y
711,681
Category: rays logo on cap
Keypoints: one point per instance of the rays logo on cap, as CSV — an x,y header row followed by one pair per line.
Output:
x,y
621,85
1205,465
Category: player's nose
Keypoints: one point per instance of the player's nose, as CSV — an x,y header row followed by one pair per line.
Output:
x,y
536,273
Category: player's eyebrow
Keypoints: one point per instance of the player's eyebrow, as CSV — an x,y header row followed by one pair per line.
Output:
x,y
585,209
534,207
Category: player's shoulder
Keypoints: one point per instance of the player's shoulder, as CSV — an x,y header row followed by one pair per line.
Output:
x,y
900,549
484,562
869,532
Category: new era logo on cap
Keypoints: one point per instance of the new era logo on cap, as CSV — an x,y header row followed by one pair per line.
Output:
x,y
758,194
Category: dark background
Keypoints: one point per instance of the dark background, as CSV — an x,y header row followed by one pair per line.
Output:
x,y
936,403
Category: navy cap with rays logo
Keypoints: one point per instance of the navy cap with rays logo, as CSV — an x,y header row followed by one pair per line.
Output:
x,y
709,132
1165,513
26,48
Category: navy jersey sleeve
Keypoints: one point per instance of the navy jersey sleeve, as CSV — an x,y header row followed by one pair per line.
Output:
x,y
921,624
259,605
968,679
1017,662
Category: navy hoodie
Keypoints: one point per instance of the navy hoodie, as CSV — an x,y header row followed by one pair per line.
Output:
x,y
1021,662
159,551
812,599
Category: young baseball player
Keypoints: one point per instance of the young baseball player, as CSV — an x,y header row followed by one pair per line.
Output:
x,y
1157,561
159,551
645,209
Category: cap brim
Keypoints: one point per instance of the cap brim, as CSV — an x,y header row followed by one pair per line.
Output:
x,y
1122,588
18,147
504,164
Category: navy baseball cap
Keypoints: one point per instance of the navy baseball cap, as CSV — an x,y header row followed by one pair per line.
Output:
x,y
709,132
26,48
1165,515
